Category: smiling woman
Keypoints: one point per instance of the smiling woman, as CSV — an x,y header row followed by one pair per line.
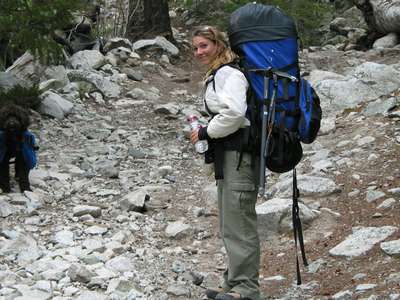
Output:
x,y
225,90
211,48
204,49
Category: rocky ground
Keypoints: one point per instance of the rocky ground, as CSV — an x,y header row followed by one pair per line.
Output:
x,y
123,208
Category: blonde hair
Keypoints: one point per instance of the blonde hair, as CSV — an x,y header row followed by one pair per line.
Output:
x,y
224,53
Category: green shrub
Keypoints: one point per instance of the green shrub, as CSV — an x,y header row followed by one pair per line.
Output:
x,y
27,97
308,14
30,24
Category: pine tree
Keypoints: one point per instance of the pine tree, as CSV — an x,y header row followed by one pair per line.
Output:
x,y
30,24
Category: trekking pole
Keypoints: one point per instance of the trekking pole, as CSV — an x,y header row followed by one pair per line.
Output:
x,y
266,134
268,116
266,124
261,190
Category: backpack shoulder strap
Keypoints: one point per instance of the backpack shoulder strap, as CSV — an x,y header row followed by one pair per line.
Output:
x,y
211,78
233,64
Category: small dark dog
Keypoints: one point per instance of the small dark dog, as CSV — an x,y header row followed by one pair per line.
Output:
x,y
16,142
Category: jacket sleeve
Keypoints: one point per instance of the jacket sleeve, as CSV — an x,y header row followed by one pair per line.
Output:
x,y
230,89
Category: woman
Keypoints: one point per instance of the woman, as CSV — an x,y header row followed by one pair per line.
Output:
x,y
225,100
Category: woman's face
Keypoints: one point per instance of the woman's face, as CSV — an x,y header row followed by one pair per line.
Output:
x,y
205,50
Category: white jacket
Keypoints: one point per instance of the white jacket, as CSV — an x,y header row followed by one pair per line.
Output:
x,y
227,101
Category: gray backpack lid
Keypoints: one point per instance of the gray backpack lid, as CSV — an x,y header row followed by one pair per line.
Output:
x,y
258,22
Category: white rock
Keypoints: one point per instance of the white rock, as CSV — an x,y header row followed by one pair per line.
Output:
x,y
362,240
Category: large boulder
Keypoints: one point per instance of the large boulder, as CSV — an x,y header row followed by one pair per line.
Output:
x,y
158,42
26,68
54,105
87,59
103,84
382,16
387,15
367,82
8,81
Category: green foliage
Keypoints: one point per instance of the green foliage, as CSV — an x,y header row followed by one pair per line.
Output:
x,y
30,24
308,14
27,97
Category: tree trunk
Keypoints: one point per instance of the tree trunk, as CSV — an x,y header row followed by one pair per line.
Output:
x,y
148,19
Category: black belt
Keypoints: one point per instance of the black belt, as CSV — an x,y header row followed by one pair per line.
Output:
x,y
217,147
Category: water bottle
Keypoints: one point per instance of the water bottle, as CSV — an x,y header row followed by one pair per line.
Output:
x,y
201,146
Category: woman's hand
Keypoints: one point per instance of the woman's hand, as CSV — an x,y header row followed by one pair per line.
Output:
x,y
194,136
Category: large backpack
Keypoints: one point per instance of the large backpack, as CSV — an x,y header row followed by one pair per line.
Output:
x,y
283,108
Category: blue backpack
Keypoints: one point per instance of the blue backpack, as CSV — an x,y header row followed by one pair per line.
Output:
x,y
266,41
283,108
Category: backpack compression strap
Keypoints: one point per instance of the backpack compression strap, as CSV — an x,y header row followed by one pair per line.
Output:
x,y
297,228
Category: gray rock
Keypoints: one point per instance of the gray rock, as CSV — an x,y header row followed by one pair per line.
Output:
x,y
328,125
28,293
107,168
81,210
96,230
160,42
151,67
372,196
87,59
366,82
359,276
275,216
365,140
387,204
178,290
27,69
343,295
391,248
138,93
167,109
136,75
365,287
6,209
58,73
177,229
309,186
362,240
51,84
8,81
120,264
88,295
79,273
64,238
134,201
315,266
117,42
380,107
104,84
386,15
395,191
54,105
393,278
22,244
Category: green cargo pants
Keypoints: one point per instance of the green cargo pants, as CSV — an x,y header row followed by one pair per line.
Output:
x,y
237,195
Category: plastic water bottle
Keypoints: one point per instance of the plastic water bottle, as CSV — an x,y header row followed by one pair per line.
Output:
x,y
201,146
